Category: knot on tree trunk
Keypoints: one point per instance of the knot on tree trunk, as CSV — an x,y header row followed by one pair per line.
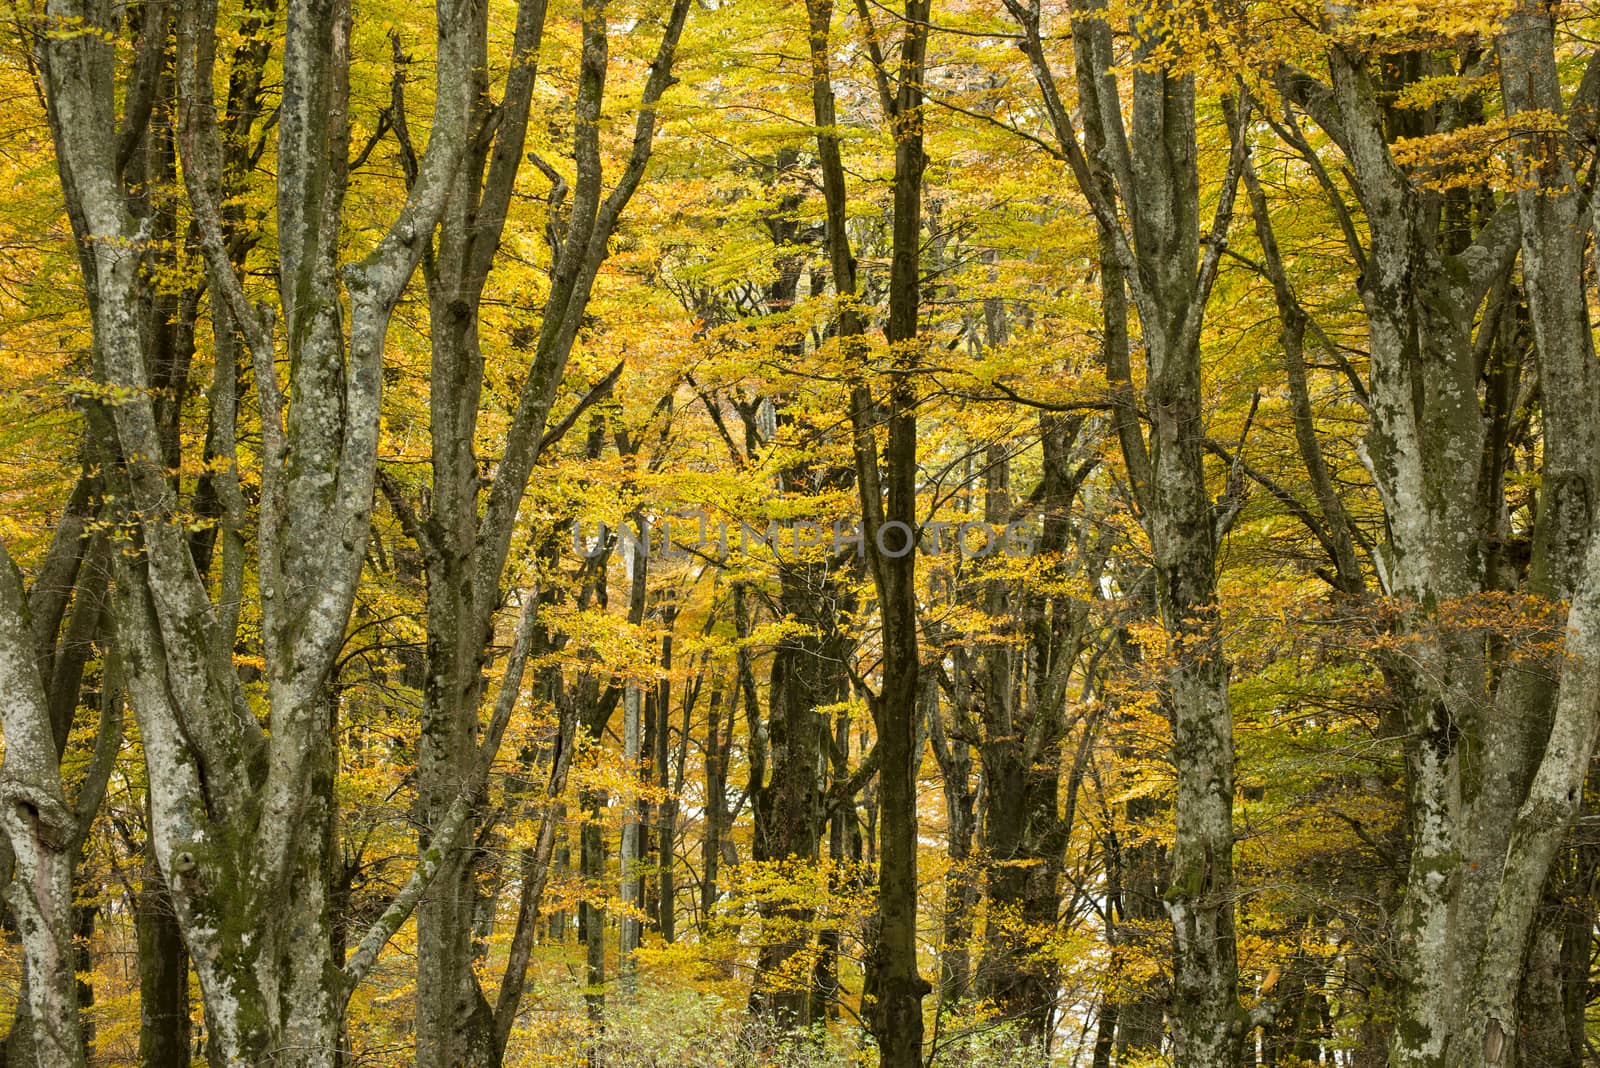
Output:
x,y
41,810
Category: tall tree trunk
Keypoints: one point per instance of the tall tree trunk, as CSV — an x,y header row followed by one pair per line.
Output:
x,y
807,673
891,525
1487,773
667,824
1145,168
471,521
628,853
889,520
631,852
248,881
953,750
1023,697
1532,747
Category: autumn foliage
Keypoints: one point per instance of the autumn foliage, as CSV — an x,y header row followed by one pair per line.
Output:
x,y
655,532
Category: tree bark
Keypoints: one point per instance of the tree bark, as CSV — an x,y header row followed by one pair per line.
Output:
x,y
1478,760
1149,163
42,831
807,673
467,537
243,842
889,519
164,1027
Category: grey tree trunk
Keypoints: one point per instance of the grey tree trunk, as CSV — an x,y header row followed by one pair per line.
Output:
x,y
1487,770
42,832
52,633
629,851
243,844
460,614
1145,169
1507,885
466,538
1021,690
1431,496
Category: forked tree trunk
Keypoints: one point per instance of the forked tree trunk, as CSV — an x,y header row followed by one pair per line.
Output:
x,y
244,846
1145,169
467,538
1490,773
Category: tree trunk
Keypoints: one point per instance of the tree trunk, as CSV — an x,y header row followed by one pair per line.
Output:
x,y
244,844
716,808
954,753
467,540
164,1028
1480,767
670,782
1150,164
807,673
42,832
894,987
592,920
888,525
628,854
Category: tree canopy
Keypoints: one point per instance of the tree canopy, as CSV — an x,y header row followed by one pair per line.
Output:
x,y
1010,533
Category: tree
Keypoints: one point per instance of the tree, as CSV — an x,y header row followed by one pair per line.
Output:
x,y
1145,165
887,489
230,803
1426,272
514,500
467,555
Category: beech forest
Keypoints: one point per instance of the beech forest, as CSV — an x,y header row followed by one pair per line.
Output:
x,y
799,533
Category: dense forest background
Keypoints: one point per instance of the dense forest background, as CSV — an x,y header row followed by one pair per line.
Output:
x,y
740,532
